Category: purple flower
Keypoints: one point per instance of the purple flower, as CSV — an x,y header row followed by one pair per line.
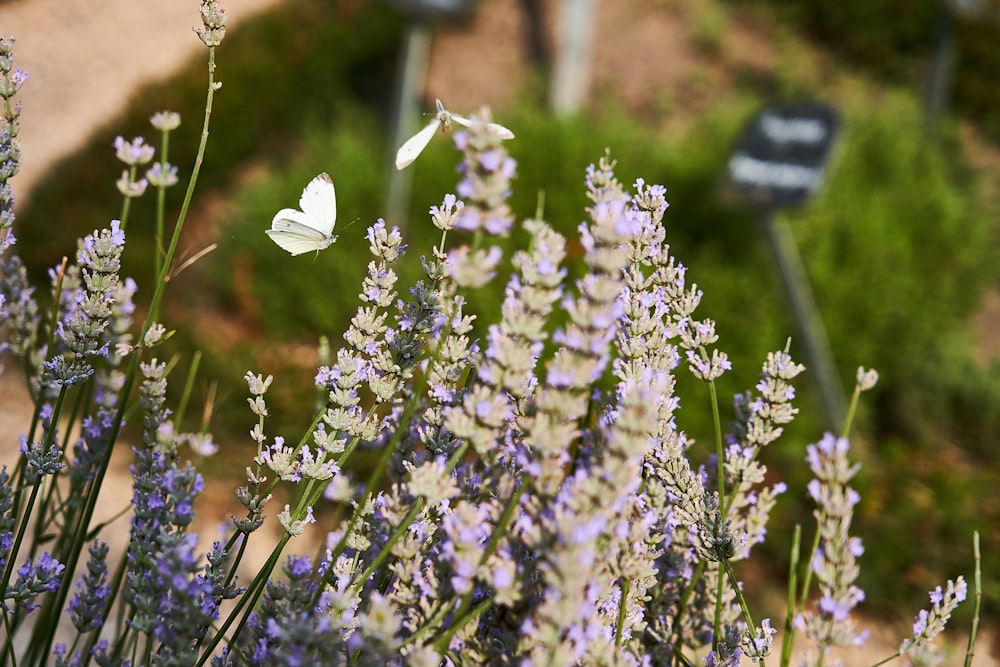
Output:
x,y
133,153
33,579
928,624
162,175
834,561
13,82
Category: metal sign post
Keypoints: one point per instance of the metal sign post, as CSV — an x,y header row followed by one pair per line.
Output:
x,y
415,53
412,74
780,162
571,75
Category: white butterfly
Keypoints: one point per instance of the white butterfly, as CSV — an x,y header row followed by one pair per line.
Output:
x,y
409,151
311,228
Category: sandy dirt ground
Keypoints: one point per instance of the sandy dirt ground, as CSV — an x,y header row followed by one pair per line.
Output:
x,y
85,58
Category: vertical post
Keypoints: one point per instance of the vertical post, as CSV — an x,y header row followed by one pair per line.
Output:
x,y
942,68
534,33
808,321
413,74
572,66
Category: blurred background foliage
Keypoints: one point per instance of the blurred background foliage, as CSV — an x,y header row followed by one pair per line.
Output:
x,y
900,247
891,40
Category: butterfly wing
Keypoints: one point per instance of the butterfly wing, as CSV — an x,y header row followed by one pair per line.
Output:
x,y
413,146
319,203
499,129
293,231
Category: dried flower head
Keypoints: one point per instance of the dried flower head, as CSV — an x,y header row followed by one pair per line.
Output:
x,y
165,121
213,19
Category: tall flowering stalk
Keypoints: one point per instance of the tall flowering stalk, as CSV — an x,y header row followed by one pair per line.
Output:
x,y
19,316
570,533
11,80
834,563
162,175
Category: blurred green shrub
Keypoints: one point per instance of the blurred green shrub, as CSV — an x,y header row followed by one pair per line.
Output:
x,y
895,39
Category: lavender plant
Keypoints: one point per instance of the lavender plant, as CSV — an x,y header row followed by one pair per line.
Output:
x,y
533,499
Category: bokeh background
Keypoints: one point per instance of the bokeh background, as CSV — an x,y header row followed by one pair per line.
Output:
x,y
901,247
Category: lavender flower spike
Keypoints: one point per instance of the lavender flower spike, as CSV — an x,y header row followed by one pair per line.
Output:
x,y
835,561
82,333
11,80
929,624
33,579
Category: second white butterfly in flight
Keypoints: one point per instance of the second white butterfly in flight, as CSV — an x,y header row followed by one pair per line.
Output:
x,y
413,146
310,229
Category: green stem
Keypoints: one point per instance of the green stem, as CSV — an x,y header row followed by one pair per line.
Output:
x,y
620,624
721,486
373,479
880,662
442,642
127,200
685,598
717,629
35,489
231,575
247,602
161,199
851,409
10,640
721,483
52,505
47,606
433,620
788,641
309,492
59,598
807,580
720,473
978,577
19,612
188,388
734,582
50,342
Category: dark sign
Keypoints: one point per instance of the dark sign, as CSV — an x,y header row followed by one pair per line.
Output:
x,y
434,9
781,160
